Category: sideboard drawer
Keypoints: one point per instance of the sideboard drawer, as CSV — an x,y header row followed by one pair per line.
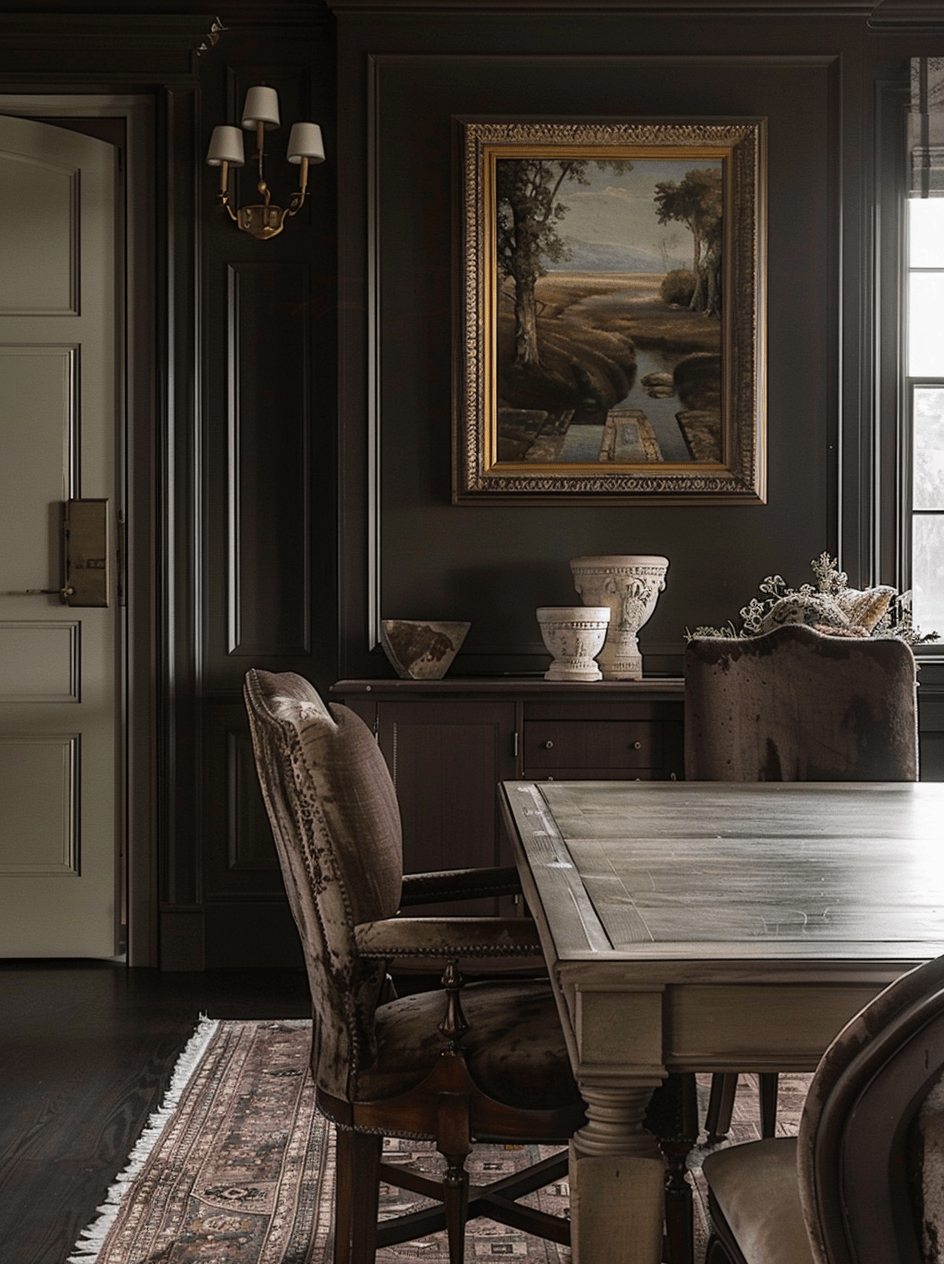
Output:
x,y
559,744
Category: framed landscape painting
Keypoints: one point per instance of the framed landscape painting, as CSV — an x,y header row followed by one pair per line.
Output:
x,y
611,336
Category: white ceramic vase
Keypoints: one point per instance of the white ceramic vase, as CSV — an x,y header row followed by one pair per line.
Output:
x,y
573,636
629,584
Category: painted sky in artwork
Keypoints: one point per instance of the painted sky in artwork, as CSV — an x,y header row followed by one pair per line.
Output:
x,y
611,224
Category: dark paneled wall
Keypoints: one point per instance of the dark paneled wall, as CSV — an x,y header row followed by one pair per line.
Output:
x,y
274,550
493,564
299,459
268,542
832,81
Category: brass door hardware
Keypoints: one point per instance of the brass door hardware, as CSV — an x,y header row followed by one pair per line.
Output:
x,y
85,531
84,554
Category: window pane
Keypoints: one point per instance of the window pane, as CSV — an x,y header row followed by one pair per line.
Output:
x,y
928,572
926,227
928,490
926,325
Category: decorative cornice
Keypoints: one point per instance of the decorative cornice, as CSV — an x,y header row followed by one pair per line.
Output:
x,y
84,39
908,15
267,13
258,12
883,15
705,8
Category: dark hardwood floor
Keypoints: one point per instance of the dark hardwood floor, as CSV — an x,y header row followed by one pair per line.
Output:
x,y
86,1053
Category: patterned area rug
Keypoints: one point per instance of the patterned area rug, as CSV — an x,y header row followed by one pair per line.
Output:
x,y
237,1167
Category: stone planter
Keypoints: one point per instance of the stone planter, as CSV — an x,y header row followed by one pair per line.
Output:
x,y
573,635
629,585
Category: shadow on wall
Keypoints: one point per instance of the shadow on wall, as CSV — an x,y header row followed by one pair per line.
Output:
x,y
501,601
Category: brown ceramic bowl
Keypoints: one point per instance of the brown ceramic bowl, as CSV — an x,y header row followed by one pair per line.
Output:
x,y
421,649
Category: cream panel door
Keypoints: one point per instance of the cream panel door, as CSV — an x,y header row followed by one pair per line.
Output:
x,y
59,731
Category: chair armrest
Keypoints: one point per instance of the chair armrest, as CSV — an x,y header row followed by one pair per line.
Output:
x,y
459,884
425,940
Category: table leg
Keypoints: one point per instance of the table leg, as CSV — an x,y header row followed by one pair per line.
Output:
x,y
617,1175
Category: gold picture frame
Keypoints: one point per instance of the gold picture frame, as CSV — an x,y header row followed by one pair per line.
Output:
x,y
612,324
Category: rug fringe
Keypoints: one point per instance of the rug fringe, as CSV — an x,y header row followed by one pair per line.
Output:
x,y
92,1238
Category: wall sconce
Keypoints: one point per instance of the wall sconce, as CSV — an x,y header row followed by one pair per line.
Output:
x,y
305,146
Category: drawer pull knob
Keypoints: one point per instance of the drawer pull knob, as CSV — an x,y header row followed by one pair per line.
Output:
x,y
637,745
548,745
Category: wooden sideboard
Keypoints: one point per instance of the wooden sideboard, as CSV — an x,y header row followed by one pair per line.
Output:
x,y
449,743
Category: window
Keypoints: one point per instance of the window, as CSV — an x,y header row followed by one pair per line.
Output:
x,y
925,400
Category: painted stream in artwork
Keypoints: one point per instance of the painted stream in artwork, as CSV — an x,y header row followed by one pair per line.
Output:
x,y
584,437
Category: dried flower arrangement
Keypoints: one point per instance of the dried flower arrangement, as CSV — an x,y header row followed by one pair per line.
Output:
x,y
831,607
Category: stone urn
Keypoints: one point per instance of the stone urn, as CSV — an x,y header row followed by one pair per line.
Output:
x,y
573,636
629,584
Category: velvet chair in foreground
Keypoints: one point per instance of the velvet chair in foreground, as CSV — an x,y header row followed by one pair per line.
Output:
x,y
484,1061
864,1181
796,705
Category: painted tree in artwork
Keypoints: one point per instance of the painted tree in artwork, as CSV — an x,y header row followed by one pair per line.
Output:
x,y
697,201
527,217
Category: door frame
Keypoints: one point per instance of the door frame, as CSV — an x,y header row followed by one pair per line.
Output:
x,y
137,414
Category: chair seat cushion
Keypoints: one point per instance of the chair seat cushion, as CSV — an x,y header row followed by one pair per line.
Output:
x,y
755,1187
514,1048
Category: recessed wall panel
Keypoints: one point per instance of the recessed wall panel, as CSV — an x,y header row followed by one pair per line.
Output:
x,y
269,536
38,825
39,662
249,843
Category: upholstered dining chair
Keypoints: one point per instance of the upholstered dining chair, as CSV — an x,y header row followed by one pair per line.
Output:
x,y
477,1061
863,1183
796,705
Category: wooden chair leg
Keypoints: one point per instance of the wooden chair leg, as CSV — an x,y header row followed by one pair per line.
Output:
x,y
454,1142
769,1082
343,1195
456,1201
720,1105
679,1220
673,1117
357,1196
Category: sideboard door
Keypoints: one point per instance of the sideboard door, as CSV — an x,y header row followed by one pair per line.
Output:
x,y
447,759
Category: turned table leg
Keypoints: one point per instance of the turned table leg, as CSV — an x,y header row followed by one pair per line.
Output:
x,y
617,1175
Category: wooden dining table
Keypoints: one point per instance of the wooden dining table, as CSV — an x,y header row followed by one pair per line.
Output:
x,y
702,926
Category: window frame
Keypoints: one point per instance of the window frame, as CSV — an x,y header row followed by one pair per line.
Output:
x,y
890,502
911,386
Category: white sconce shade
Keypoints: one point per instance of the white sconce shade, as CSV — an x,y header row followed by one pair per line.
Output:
x,y
262,106
226,145
305,141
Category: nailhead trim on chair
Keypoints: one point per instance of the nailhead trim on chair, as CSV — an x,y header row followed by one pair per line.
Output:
x,y
454,950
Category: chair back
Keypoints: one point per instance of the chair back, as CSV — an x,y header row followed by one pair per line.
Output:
x,y
334,816
870,1153
795,705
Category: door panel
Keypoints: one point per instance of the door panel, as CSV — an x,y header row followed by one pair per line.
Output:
x,y
38,793
39,271
59,784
